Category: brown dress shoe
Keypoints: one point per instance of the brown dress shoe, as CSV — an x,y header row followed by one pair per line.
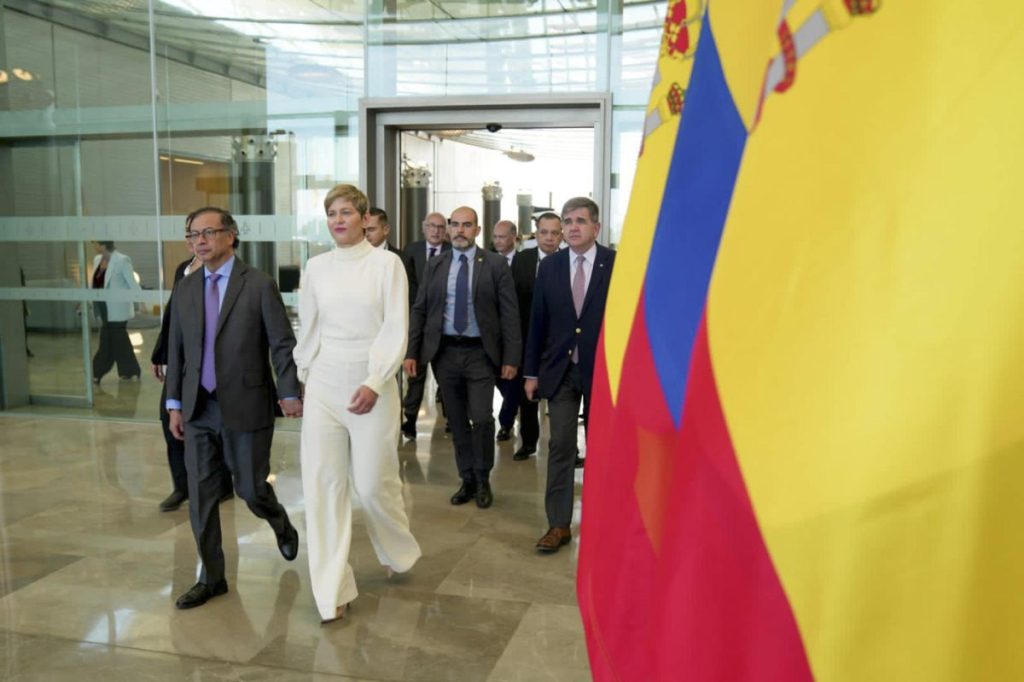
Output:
x,y
553,540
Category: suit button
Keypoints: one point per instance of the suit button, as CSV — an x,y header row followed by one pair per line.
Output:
x,y
578,330
570,354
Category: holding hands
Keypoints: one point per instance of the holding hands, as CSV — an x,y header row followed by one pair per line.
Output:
x,y
291,407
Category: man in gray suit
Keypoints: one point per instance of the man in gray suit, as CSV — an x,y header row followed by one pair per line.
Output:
x,y
466,321
224,326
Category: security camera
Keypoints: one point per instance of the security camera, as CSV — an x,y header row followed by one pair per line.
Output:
x,y
493,127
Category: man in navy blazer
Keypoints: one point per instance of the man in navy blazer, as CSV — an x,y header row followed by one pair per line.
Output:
x,y
565,322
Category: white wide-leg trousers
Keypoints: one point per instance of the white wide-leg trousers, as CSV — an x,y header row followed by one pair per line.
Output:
x,y
342,452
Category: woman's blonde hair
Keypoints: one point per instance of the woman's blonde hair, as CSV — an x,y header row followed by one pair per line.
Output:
x,y
349,193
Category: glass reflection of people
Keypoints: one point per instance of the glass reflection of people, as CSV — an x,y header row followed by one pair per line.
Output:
x,y
112,271
24,316
353,307
175,447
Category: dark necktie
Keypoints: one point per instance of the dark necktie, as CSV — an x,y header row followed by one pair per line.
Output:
x,y
208,378
461,321
431,252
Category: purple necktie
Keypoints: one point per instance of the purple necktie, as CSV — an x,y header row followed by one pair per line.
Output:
x,y
212,308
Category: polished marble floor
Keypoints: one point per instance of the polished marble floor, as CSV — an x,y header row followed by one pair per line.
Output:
x,y
89,569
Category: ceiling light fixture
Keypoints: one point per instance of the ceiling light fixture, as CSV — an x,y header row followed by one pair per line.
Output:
x,y
519,155
23,74
3,77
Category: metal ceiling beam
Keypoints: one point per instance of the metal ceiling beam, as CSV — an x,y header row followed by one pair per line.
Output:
x,y
107,31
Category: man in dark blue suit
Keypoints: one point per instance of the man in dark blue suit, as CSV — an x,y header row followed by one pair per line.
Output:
x,y
565,322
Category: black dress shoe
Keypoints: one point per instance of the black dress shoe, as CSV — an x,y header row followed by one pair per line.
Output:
x,y
173,501
409,432
484,496
524,453
580,461
227,495
200,593
464,494
504,434
288,542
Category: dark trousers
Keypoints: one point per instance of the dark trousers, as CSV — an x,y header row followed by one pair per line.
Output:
x,y
175,448
510,390
564,416
115,347
247,454
413,398
466,377
176,454
529,418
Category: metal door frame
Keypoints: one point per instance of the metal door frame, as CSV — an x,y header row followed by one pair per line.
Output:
x,y
381,120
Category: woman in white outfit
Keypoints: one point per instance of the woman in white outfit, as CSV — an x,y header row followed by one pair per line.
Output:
x,y
112,271
354,314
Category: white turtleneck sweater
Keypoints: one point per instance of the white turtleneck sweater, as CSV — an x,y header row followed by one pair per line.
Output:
x,y
354,307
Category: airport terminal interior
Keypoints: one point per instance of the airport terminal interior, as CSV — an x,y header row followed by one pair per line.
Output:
x,y
118,118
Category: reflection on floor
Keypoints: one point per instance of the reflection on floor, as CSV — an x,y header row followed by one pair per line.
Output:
x,y
90,570
57,368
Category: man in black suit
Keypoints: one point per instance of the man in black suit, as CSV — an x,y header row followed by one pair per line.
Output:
x,y
226,323
378,231
466,321
565,322
524,274
504,241
417,254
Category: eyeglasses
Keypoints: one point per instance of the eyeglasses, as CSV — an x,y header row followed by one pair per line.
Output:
x,y
205,234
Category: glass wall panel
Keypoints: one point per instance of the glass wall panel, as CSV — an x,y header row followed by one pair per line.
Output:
x,y
77,167
480,48
118,117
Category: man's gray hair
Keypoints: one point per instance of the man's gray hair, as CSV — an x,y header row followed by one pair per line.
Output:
x,y
581,202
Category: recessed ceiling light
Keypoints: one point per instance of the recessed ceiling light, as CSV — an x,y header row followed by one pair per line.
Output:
x,y
23,74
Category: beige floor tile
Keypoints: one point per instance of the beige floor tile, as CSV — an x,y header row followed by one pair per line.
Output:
x,y
90,569
548,645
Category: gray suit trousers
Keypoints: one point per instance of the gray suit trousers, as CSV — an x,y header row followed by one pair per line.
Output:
x,y
564,421
247,454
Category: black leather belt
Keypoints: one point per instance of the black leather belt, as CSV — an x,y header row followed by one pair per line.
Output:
x,y
462,340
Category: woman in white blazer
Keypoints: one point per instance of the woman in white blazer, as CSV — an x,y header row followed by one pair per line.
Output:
x,y
112,270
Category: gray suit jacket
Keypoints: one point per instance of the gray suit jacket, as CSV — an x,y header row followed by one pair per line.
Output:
x,y
253,329
494,302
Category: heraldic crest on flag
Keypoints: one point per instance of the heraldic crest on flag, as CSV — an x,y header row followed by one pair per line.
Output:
x,y
806,431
